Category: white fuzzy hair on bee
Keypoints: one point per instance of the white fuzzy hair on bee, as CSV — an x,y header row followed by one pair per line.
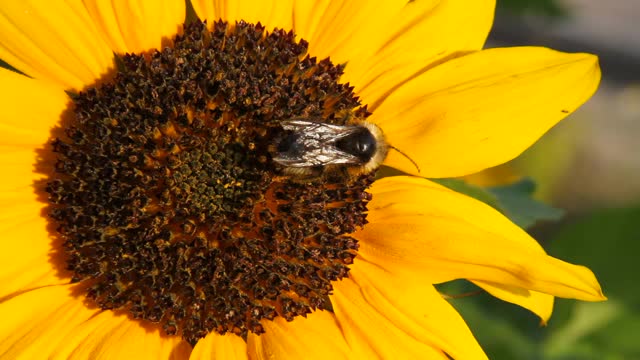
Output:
x,y
312,148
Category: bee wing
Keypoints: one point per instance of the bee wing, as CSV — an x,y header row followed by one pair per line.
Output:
x,y
313,144
327,155
318,130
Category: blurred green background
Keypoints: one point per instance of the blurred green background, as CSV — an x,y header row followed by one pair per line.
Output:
x,y
589,165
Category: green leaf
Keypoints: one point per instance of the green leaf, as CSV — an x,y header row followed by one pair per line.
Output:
x,y
517,203
496,331
587,319
607,241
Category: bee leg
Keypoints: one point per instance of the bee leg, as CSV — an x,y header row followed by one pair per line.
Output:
x,y
337,173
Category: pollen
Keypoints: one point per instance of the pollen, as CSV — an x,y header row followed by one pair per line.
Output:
x,y
167,199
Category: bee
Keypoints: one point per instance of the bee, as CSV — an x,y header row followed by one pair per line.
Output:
x,y
310,149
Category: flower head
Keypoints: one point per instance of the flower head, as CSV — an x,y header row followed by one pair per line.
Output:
x,y
147,202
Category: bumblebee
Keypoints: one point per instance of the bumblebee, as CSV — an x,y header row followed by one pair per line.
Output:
x,y
310,149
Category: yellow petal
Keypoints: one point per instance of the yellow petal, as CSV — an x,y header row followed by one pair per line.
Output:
x,y
137,26
22,123
345,27
504,174
483,109
27,259
539,303
108,336
21,163
55,323
422,34
424,230
307,16
215,347
415,308
55,41
210,10
207,9
36,322
270,13
370,333
317,336
17,192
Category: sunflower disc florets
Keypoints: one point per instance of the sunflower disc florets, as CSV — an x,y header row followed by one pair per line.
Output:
x,y
168,202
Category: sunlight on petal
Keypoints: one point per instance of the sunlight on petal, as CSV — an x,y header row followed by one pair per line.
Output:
x,y
54,41
438,235
135,26
483,109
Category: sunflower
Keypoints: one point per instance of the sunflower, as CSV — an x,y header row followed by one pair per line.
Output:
x,y
143,217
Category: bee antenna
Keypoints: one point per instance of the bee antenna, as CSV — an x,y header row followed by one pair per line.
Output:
x,y
407,156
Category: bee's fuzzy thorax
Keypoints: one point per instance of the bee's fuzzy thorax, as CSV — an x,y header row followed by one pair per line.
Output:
x,y
382,148
315,148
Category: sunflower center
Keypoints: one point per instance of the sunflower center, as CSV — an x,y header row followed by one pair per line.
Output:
x,y
168,200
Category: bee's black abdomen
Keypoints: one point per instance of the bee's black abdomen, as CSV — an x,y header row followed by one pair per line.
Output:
x,y
361,144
